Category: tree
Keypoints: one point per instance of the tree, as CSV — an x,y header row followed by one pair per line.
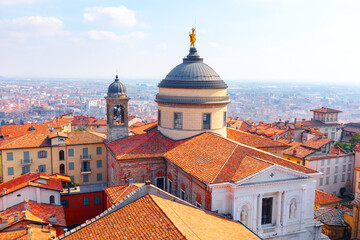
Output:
x,y
3,122
355,138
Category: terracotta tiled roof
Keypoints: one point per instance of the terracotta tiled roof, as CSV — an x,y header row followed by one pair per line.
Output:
x,y
116,193
337,150
316,143
26,141
252,140
213,159
142,146
152,217
331,216
84,120
325,198
298,151
325,110
57,134
29,179
34,140
357,147
144,128
37,212
238,124
37,232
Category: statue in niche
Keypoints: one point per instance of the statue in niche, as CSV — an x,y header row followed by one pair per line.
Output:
x,y
292,210
118,114
244,216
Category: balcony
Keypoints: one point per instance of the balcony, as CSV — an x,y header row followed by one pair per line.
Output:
x,y
85,170
85,157
26,162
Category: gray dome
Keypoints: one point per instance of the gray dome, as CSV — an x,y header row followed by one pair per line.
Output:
x,y
192,73
117,88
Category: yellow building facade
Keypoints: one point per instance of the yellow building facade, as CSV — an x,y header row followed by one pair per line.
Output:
x,y
80,155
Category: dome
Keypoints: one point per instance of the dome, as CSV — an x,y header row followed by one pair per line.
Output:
x,y
116,88
192,73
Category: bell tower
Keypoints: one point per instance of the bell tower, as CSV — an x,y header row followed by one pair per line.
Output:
x,y
117,105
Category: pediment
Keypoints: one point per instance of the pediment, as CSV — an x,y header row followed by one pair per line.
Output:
x,y
272,174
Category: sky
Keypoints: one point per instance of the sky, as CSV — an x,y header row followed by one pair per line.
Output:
x,y
267,40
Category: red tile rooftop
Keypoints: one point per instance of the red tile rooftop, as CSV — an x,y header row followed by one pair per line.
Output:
x,y
325,110
325,198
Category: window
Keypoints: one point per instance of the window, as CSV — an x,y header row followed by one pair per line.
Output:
x,y
71,152
99,177
71,166
52,199
42,168
86,178
178,120
321,181
344,159
98,150
349,167
344,168
197,204
86,201
97,200
65,203
322,162
224,119
343,178
335,179
61,155
182,194
206,121
160,183
336,169
72,178
9,156
98,163
159,118
348,176
26,156
85,153
169,185
25,169
328,162
337,161
266,216
322,170
328,170
62,168
10,171
42,154
327,181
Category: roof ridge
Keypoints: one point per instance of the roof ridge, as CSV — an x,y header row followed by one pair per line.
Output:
x,y
159,208
227,160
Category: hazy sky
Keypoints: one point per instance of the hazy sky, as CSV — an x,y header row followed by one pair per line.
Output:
x,y
307,41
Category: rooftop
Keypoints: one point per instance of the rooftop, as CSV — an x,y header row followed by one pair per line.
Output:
x,y
325,198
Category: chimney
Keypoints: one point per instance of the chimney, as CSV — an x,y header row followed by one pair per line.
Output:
x,y
3,222
295,151
52,218
295,121
147,182
23,212
16,217
3,191
130,181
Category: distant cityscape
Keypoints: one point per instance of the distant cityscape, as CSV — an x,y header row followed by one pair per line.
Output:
x,y
39,100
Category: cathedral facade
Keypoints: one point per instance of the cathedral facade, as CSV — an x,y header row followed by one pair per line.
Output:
x,y
191,157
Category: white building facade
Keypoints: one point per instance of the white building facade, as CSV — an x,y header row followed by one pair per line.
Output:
x,y
275,203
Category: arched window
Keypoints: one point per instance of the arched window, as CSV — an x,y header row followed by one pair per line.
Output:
x,y
52,199
61,155
62,169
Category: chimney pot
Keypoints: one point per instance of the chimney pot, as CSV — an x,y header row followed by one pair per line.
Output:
x,y
130,181
3,191
147,182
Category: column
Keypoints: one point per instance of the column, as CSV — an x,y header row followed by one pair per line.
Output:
x,y
283,209
303,199
278,216
259,210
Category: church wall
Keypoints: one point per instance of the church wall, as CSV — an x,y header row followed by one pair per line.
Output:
x,y
194,189
192,92
139,170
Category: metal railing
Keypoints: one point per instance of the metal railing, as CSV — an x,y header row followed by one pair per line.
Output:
x,y
192,100
85,157
25,162
85,170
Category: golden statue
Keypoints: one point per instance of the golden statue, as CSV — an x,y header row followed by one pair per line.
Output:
x,y
192,38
